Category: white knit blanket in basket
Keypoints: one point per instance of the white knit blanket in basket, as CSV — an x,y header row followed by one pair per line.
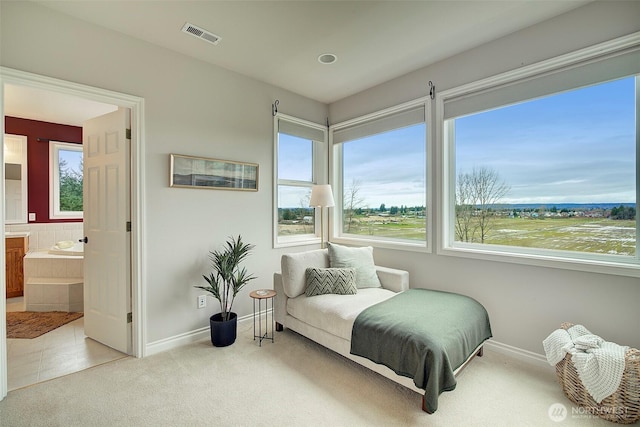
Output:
x,y
599,363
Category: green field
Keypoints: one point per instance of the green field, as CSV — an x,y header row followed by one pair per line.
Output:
x,y
596,235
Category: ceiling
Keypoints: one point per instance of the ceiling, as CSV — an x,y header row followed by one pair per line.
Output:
x,y
279,42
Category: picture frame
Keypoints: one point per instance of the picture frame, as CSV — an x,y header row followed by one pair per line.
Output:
x,y
216,174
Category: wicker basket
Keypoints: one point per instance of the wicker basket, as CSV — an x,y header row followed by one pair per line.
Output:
x,y
622,407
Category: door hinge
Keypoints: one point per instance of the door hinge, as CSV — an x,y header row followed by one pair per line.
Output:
x,y
128,134
128,225
129,317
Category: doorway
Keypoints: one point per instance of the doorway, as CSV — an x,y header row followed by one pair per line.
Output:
x,y
135,104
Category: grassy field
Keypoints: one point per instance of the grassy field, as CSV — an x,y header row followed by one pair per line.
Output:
x,y
592,235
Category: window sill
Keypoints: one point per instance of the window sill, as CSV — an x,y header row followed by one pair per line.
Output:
x,y
417,246
296,241
593,265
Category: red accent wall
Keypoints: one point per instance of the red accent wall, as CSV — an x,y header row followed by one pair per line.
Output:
x,y
38,159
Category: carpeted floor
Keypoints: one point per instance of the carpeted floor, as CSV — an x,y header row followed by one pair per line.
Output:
x,y
32,324
292,382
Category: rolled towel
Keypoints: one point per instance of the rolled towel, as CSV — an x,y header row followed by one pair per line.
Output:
x,y
65,244
586,342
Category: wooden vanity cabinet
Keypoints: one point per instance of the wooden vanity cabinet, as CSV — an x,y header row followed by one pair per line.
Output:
x,y
15,250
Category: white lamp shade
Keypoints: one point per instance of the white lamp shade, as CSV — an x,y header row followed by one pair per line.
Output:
x,y
321,196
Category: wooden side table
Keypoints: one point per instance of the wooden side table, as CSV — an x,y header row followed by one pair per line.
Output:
x,y
266,295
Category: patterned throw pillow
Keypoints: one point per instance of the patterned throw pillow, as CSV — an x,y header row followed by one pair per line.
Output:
x,y
320,281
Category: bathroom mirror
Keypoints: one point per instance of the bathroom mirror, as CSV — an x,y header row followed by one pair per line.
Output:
x,y
15,179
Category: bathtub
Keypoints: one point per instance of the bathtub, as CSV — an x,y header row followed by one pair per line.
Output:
x,y
76,250
53,279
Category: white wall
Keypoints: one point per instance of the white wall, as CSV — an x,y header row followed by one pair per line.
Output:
x,y
197,109
525,303
191,108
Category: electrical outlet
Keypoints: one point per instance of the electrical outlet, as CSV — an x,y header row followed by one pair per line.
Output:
x,y
32,216
202,301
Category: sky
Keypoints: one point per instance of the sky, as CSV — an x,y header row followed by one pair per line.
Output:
x,y
72,158
573,147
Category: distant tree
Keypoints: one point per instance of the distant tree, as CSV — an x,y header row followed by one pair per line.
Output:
x,y
287,215
464,208
71,182
623,212
488,190
382,208
393,210
477,193
352,203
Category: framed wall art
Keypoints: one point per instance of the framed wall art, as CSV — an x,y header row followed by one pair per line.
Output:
x,y
202,172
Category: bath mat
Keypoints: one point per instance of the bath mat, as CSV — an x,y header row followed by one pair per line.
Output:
x,y
32,324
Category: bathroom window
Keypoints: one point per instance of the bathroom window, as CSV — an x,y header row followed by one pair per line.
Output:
x,y
65,181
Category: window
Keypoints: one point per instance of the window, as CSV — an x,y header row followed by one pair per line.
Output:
x,y
299,165
544,166
379,171
65,183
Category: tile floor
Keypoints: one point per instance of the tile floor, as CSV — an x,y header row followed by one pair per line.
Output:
x,y
60,352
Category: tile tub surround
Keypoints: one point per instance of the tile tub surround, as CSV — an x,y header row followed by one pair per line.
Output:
x,y
53,282
44,236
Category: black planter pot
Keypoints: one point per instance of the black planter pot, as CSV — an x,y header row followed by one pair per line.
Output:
x,y
223,332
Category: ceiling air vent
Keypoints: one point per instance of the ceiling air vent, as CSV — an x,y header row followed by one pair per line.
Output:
x,y
200,33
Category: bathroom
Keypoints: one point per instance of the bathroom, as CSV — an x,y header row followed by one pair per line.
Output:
x,y
51,281
41,213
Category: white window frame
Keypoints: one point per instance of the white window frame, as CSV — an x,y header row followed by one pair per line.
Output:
x,y
319,176
54,180
446,192
336,180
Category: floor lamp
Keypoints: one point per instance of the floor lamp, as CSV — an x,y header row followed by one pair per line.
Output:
x,y
321,197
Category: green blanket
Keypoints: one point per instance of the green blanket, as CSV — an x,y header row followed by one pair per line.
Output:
x,y
424,335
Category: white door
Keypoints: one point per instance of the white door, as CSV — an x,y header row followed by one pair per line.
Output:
x,y
107,249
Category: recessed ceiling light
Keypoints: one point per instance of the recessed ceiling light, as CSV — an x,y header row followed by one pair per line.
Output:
x,y
327,58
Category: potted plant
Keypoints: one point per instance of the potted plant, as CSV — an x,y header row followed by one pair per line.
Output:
x,y
224,282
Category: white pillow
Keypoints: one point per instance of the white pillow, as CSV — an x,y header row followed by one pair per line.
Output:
x,y
359,258
294,267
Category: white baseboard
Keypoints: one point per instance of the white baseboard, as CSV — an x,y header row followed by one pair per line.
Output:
x,y
185,338
518,353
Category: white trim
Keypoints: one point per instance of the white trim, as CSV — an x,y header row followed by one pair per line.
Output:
x,y
4,387
336,180
24,177
518,353
189,337
318,175
54,180
446,173
138,272
588,54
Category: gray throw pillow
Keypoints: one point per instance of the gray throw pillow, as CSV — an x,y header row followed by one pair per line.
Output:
x,y
321,281
359,258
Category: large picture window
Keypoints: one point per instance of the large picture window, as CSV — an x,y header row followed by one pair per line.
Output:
x,y
380,165
546,166
66,180
299,160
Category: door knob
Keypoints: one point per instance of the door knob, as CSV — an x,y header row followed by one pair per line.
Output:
x,y
85,240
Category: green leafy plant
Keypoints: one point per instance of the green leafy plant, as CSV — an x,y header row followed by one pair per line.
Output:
x,y
227,278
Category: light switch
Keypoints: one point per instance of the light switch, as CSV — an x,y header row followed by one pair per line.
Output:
x,y
32,216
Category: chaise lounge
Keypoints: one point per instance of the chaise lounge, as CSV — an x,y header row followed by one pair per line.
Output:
x,y
423,356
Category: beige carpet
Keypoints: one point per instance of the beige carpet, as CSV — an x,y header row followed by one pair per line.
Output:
x,y
292,382
32,324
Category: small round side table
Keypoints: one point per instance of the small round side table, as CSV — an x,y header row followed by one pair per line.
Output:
x,y
266,295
